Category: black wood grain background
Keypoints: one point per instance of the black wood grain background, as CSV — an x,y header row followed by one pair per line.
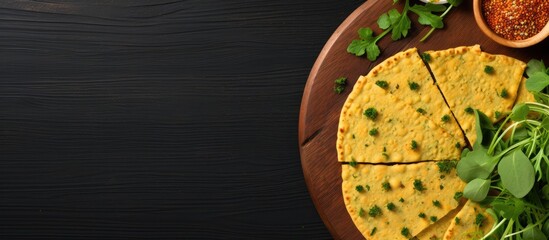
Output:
x,y
157,119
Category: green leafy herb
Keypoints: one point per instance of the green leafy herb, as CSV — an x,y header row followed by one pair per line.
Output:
x,y
386,186
436,203
339,85
413,145
361,212
391,206
446,166
374,211
469,110
401,200
477,189
398,24
422,215
479,219
504,93
418,185
445,118
458,145
433,218
373,132
517,173
497,114
367,44
458,195
421,110
353,162
367,187
371,113
488,69
413,86
457,220
382,84
373,231
426,57
405,232
359,188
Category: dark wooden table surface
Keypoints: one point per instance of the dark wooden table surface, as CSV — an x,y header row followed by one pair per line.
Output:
x,y
157,119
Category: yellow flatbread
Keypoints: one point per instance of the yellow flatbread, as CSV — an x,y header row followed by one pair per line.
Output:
x,y
420,193
523,94
401,133
406,77
471,79
472,222
436,231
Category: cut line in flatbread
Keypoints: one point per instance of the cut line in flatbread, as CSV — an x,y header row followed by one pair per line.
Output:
x,y
376,127
406,77
471,79
420,195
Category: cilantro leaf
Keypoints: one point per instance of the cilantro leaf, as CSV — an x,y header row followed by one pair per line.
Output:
x,y
365,45
426,17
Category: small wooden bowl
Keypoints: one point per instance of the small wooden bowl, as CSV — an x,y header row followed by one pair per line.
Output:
x,y
479,18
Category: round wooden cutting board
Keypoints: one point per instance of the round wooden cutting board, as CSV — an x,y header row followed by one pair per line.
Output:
x,y
320,106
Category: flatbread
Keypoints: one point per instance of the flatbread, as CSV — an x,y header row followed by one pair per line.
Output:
x,y
461,74
437,230
366,186
399,73
398,126
469,227
523,94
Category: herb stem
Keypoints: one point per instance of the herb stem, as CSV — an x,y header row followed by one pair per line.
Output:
x,y
432,28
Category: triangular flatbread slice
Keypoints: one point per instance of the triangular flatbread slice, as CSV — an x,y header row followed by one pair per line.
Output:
x,y
375,127
472,222
437,230
523,94
399,201
406,77
471,79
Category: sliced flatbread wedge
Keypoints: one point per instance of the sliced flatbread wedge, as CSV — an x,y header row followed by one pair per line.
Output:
x,y
398,201
471,79
406,77
523,94
436,231
375,127
472,222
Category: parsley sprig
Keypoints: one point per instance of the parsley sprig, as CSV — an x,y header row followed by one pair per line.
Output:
x,y
398,24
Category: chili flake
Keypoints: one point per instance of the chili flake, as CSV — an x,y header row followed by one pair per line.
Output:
x,y
516,19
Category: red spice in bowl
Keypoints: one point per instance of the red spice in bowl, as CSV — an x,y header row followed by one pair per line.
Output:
x,y
516,19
